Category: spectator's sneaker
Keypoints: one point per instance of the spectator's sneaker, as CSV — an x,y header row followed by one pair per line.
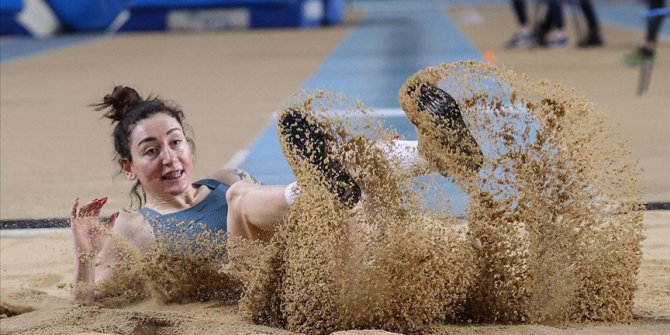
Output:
x,y
638,56
558,41
521,40
593,40
303,140
444,138
540,32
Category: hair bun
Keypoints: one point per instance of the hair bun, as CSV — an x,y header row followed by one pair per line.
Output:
x,y
118,102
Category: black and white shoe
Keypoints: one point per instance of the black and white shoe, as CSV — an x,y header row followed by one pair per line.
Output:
x,y
304,139
445,136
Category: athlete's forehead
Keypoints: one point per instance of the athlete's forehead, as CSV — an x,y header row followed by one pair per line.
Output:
x,y
154,128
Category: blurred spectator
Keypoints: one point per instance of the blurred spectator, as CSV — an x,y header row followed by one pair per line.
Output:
x,y
523,38
593,37
648,49
551,32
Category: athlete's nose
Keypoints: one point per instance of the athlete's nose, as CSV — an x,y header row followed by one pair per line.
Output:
x,y
168,157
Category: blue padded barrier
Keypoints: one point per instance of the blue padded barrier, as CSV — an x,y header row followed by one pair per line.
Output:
x,y
11,6
289,15
334,12
87,15
173,4
158,15
148,15
146,20
9,9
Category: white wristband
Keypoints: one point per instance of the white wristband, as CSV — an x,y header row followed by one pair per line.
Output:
x,y
290,192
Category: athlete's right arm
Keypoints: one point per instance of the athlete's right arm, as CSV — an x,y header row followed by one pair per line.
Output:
x,y
89,237
131,234
98,247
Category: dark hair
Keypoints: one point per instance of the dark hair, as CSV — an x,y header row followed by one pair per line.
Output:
x,y
125,107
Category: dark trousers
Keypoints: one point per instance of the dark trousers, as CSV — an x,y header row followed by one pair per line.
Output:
x,y
654,23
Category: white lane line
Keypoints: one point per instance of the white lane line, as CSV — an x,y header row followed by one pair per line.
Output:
x,y
33,232
237,159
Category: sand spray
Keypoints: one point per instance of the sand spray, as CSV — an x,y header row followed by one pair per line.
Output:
x,y
551,234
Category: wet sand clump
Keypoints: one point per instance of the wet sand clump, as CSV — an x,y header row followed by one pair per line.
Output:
x,y
8,310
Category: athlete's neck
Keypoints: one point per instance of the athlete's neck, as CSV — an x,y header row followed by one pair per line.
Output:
x,y
173,203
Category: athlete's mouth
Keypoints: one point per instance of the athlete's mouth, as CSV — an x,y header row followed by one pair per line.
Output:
x,y
172,175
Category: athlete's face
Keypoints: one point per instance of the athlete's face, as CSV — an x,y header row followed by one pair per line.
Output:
x,y
161,157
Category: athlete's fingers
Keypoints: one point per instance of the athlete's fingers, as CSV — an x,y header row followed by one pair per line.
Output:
x,y
112,220
97,206
73,211
85,209
95,209
90,207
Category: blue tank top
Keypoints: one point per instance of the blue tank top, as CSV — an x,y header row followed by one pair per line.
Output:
x,y
208,215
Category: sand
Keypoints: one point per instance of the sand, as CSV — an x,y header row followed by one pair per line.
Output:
x,y
40,280
409,269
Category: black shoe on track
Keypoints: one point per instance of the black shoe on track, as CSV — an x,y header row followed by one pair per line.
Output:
x,y
592,40
302,137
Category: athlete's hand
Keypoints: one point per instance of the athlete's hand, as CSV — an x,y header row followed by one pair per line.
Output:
x,y
88,234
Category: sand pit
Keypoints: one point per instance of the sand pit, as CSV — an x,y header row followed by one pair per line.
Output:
x,y
36,271
553,238
24,288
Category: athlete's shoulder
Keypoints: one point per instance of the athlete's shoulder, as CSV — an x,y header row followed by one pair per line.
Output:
x,y
134,227
128,219
230,176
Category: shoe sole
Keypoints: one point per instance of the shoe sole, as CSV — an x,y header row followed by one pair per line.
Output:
x,y
303,138
445,139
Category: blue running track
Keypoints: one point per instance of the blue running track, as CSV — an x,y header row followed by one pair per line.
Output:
x,y
389,45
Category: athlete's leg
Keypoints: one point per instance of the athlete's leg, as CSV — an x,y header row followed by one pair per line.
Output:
x,y
406,156
255,210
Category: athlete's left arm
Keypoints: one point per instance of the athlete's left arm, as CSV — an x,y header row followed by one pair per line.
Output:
x,y
231,176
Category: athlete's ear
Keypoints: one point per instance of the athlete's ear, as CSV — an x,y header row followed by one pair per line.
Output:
x,y
127,169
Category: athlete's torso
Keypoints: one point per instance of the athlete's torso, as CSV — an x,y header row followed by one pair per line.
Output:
x,y
208,215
